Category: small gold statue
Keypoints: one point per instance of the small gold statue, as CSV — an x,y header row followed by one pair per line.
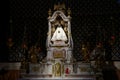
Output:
x,y
10,42
85,53
33,56
23,63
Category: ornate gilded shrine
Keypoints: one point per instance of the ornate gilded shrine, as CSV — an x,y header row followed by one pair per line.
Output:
x,y
59,40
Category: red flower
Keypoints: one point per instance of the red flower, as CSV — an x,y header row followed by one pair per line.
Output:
x,y
67,71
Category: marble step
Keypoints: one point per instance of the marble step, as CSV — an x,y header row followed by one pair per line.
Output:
x,y
58,79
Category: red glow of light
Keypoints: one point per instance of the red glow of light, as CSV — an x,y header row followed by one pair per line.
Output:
x,y
112,37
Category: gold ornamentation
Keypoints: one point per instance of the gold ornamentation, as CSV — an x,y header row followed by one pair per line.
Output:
x,y
53,29
58,54
59,6
65,29
57,69
85,53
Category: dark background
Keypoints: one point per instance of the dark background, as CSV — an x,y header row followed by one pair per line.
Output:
x,y
92,21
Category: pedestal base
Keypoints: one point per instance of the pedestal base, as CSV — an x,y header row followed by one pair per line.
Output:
x,y
45,72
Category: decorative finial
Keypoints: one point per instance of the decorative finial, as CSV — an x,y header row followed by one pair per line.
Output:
x,y
69,12
49,12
